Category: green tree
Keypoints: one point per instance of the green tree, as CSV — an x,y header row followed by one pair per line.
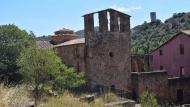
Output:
x,y
39,67
12,42
43,69
148,100
68,79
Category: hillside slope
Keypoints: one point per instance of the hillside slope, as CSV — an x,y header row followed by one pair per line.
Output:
x,y
148,36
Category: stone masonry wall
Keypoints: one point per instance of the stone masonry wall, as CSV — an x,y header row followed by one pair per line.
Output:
x,y
155,82
73,56
141,63
107,52
176,84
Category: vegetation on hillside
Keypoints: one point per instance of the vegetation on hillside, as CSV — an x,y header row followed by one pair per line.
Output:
x,y
149,36
43,38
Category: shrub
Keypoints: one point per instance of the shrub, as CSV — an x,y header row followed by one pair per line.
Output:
x,y
68,79
148,100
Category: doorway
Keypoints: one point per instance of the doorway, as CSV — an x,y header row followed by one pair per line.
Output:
x,y
180,95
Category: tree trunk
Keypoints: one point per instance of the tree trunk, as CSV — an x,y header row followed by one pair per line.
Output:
x,y
36,96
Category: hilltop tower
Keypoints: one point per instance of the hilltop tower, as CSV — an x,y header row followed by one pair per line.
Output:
x,y
107,52
153,16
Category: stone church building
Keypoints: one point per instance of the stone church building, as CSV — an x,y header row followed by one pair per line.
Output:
x,y
106,59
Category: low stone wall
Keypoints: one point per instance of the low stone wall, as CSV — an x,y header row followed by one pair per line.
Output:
x,y
155,82
167,90
124,103
179,90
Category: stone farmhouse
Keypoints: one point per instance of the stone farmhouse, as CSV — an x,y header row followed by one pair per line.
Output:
x,y
106,59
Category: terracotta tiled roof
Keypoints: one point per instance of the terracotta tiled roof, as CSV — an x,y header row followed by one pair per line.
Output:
x,y
72,42
64,35
64,31
44,44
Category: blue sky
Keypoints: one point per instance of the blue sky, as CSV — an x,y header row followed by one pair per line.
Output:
x,y
43,17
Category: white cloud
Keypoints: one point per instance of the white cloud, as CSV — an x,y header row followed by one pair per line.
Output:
x,y
123,9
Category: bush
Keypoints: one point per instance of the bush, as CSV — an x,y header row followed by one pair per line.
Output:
x,y
68,79
148,100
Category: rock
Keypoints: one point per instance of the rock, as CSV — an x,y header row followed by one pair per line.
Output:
x,y
30,104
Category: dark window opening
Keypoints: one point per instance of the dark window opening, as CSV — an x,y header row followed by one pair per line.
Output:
x,y
134,95
181,49
161,67
78,67
111,54
142,70
182,71
161,53
180,95
146,88
113,88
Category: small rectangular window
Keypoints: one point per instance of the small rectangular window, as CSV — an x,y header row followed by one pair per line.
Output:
x,y
182,71
161,53
181,49
161,67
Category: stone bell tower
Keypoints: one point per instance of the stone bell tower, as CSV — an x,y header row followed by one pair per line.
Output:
x,y
107,51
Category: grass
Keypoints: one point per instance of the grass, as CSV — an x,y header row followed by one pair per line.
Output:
x,y
69,100
19,96
14,96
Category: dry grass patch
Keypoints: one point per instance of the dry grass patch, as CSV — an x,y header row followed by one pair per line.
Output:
x,y
14,96
69,100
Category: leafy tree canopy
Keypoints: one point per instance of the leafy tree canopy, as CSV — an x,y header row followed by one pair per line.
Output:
x,y
12,42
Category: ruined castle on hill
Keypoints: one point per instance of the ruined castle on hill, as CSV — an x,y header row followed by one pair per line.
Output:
x,y
106,59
